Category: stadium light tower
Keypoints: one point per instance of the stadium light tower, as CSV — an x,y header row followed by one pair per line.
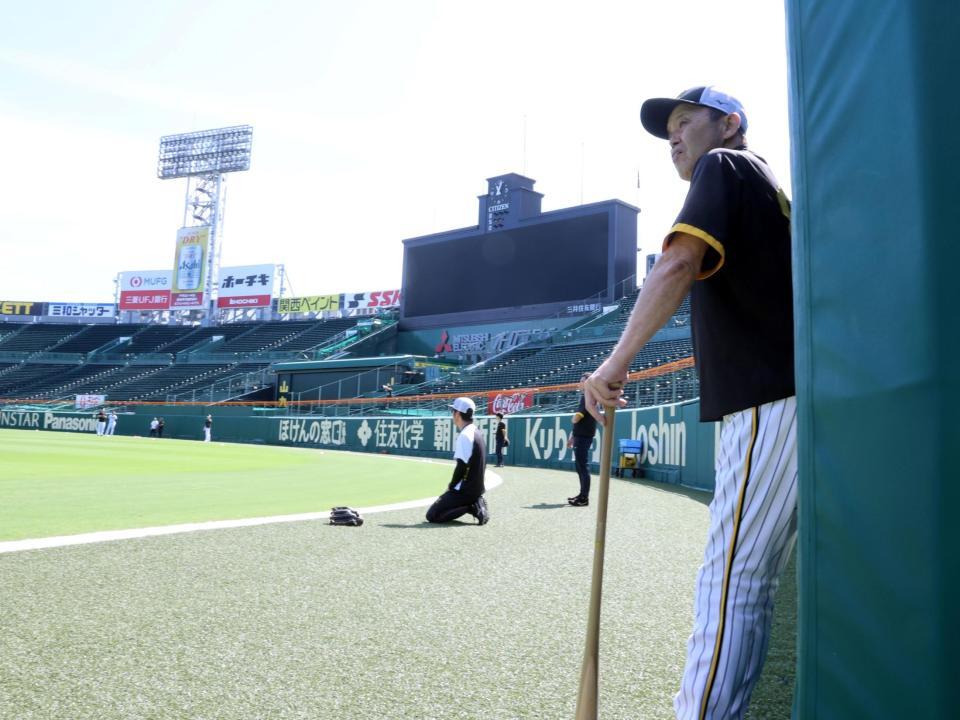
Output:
x,y
204,158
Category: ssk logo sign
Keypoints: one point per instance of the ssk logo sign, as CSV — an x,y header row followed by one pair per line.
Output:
x,y
507,403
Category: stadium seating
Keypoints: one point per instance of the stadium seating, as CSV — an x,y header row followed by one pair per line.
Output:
x,y
154,337
93,337
169,379
105,383
197,337
71,381
317,334
20,380
39,337
138,362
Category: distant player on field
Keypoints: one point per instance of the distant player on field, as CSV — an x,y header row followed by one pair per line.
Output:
x,y
101,422
730,249
581,440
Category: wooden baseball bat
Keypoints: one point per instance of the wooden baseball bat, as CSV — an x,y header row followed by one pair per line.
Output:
x,y
588,695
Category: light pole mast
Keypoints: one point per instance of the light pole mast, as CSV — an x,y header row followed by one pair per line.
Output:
x,y
203,158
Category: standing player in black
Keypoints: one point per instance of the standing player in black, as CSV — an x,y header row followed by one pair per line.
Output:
x,y
101,422
465,492
730,248
581,440
501,438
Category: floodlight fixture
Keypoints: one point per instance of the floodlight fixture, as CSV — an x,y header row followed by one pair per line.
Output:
x,y
206,152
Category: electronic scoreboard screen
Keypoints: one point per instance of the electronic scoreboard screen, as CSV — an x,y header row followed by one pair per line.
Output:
x,y
552,262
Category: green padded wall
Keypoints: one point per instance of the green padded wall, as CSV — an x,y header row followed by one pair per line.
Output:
x,y
875,117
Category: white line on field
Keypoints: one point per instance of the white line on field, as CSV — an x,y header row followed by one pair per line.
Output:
x,y
491,480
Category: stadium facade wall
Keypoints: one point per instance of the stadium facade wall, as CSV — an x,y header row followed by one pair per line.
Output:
x,y
677,448
453,341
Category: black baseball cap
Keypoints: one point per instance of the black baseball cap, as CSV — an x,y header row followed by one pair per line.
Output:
x,y
655,112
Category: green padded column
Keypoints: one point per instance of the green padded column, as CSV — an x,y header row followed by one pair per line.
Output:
x,y
875,119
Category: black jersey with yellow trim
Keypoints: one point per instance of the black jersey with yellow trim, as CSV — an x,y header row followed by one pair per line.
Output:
x,y
742,303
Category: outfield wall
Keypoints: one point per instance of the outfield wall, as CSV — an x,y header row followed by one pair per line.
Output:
x,y
677,448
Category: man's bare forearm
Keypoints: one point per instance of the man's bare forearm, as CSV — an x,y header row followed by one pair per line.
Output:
x,y
667,284
664,289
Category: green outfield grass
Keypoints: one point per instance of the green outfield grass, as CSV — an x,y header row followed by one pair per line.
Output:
x,y
66,483
397,619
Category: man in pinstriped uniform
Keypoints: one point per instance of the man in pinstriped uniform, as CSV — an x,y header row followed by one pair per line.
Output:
x,y
730,249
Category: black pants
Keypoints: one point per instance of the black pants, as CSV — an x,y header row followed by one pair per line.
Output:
x,y
449,506
499,451
581,457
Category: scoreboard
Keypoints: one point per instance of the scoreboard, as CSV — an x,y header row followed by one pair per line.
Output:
x,y
519,263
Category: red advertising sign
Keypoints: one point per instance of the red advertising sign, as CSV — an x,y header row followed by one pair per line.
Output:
x,y
509,402
242,301
246,286
187,301
145,290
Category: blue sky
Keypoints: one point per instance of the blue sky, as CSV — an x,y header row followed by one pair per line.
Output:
x,y
373,121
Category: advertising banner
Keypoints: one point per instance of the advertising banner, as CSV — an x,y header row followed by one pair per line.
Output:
x,y
583,308
190,268
48,420
89,401
145,289
511,402
19,307
246,286
367,303
673,445
309,304
82,310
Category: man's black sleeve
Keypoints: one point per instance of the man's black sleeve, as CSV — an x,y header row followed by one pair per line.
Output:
x,y
459,473
707,210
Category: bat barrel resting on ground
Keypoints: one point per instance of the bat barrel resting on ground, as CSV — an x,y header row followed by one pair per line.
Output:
x,y
587,697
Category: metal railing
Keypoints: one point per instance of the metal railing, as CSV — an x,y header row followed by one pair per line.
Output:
x,y
227,388
41,356
658,385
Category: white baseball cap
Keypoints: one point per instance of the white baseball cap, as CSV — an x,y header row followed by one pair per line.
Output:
x,y
463,404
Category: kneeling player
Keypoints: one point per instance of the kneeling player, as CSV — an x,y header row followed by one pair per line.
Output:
x,y
465,492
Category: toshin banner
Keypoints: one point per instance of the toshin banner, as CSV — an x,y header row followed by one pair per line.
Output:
x,y
246,286
145,290
509,402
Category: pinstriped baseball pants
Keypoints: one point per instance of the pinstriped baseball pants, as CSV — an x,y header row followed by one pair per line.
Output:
x,y
753,527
